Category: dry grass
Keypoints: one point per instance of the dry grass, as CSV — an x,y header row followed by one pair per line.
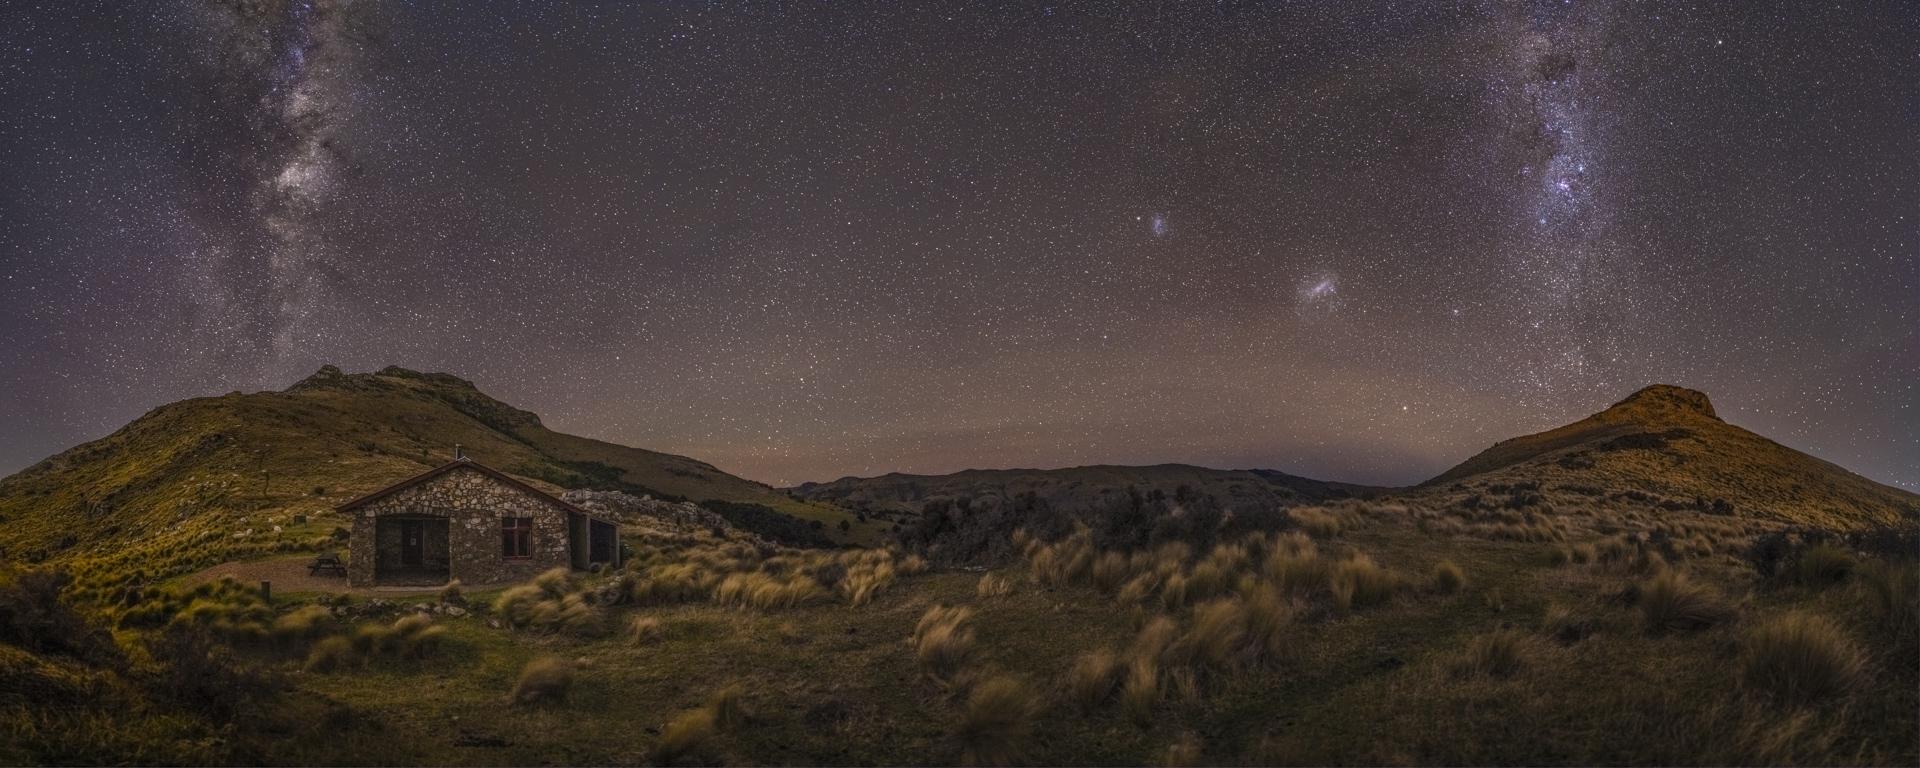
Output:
x,y
1447,577
645,630
1671,602
993,586
330,654
1092,679
1359,582
1799,658
1822,565
728,705
995,722
1315,520
685,738
543,681
1892,593
943,641
1141,688
1185,752
1497,654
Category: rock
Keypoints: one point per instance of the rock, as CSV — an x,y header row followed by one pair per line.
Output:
x,y
454,611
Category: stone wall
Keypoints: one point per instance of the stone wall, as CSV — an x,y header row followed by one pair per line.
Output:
x,y
473,504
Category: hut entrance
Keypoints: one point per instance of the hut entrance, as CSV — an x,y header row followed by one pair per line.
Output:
x,y
411,550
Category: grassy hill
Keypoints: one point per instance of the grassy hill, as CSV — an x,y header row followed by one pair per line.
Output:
x,y
209,479
1665,445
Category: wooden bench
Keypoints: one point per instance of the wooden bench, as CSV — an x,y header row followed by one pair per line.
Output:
x,y
328,562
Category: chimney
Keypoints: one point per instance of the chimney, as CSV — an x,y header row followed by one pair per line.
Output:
x,y
458,455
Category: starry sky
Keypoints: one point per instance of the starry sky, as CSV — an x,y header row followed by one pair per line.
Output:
x,y
1350,240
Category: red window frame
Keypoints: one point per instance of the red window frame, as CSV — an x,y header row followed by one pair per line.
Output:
x,y
516,538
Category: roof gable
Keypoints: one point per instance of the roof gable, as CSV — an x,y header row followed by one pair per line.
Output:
x,y
465,463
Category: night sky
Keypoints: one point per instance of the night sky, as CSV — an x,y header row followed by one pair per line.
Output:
x,y
1350,240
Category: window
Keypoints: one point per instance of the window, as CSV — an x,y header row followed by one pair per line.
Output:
x,y
516,537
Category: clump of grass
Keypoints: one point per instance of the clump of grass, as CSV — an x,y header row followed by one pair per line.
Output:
x,y
543,681
1315,520
728,705
556,582
453,594
1141,688
1799,658
943,641
645,630
1822,565
1893,596
1111,571
690,735
1092,679
1448,578
764,592
1564,626
860,585
414,636
1267,617
302,623
992,586
1185,752
1671,602
1496,654
995,723
329,654
1214,639
1358,582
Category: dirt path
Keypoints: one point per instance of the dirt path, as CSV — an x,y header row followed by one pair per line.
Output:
x,y
289,574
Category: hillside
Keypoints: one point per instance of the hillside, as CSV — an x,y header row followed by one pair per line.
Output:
x,y
1078,488
206,479
1667,446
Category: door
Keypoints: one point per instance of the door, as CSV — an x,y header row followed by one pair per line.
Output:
x,y
412,542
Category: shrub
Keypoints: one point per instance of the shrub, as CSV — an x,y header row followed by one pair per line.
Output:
x,y
1496,654
1821,565
543,681
205,676
34,617
689,735
329,654
1798,658
1669,601
943,641
994,586
1448,578
995,723
644,630
1092,678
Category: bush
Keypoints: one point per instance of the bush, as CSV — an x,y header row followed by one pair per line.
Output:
x,y
204,676
996,722
1092,678
1799,658
1448,578
1670,602
33,617
687,736
943,641
1497,654
543,681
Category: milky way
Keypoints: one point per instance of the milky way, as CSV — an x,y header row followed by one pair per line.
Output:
x,y
1349,240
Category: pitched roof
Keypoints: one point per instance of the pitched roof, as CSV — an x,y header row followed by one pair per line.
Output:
x,y
473,465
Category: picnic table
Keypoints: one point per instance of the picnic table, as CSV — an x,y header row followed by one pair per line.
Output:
x,y
328,562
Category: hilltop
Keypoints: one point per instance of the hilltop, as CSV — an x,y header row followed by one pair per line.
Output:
x,y
208,479
1665,445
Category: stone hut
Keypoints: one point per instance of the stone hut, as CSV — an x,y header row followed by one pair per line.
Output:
x,y
464,520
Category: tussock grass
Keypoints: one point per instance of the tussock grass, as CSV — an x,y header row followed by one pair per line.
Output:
x,y
1141,688
729,707
1496,654
764,592
1671,602
1111,571
1360,582
1822,565
996,722
1315,520
304,623
943,641
1799,658
1092,679
992,586
687,737
645,630
545,680
453,593
1447,577
1187,751
1892,592
330,654
1268,615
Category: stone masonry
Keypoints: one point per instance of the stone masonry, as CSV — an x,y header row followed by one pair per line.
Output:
x,y
473,503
